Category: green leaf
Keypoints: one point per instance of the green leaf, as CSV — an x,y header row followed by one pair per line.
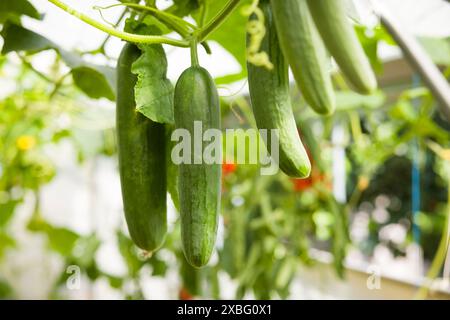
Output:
x,y
13,9
7,211
6,242
129,253
153,91
60,240
85,250
95,81
183,8
5,290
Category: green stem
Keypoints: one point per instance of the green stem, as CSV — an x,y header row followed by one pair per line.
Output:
x,y
203,13
204,32
439,258
194,54
179,25
101,48
120,34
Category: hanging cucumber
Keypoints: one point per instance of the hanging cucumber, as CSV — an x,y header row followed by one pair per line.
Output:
x,y
270,97
342,43
196,99
304,50
141,145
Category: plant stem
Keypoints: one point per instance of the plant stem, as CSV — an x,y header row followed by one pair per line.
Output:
x,y
194,53
179,25
119,34
204,32
203,13
101,48
441,253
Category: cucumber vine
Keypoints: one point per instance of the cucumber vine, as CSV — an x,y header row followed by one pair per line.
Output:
x,y
187,31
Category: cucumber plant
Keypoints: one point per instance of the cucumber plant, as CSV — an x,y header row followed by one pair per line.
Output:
x,y
280,34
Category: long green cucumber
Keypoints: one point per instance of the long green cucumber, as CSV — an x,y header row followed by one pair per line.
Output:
x,y
196,99
141,145
271,102
304,50
342,43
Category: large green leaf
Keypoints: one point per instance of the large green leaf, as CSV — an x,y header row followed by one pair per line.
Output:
x,y
95,81
153,91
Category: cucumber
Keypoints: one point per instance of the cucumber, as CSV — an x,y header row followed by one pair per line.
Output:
x,y
271,102
141,145
304,50
196,99
342,43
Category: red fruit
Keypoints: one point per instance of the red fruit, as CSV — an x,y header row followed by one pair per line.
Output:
x,y
228,168
184,295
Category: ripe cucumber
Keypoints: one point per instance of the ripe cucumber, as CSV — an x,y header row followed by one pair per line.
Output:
x,y
196,99
271,102
141,148
304,50
342,43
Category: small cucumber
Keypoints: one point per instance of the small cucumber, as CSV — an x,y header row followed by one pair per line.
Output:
x,y
342,43
196,99
141,145
271,102
304,50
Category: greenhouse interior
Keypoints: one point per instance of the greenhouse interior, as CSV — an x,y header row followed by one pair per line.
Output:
x,y
102,103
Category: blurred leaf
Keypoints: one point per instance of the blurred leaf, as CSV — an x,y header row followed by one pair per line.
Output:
x,y
6,242
13,9
349,100
191,278
5,290
60,240
7,211
183,8
159,266
95,81
85,250
129,253
370,39
437,48
115,282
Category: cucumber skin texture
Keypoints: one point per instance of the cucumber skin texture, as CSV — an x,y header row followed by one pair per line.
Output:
x,y
271,102
199,185
304,50
141,148
343,44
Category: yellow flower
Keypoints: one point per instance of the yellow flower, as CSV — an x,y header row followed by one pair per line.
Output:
x,y
25,142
